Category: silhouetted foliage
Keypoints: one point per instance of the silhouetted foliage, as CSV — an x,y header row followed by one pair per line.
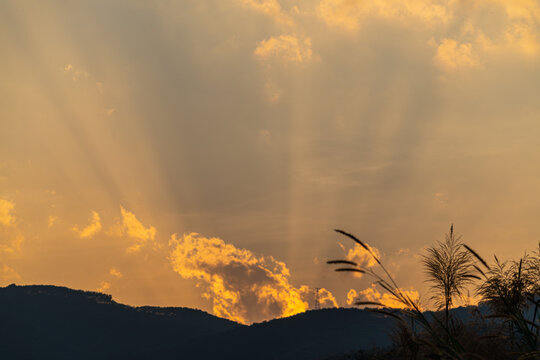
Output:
x,y
512,290
448,266
509,289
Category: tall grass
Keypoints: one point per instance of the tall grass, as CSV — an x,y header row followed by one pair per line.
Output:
x,y
509,288
449,268
512,288
444,345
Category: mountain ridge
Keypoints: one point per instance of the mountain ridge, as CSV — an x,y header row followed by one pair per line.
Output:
x,y
55,322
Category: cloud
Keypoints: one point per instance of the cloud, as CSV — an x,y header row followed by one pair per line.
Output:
x,y
116,273
104,286
452,55
271,8
13,242
361,256
8,274
242,287
51,220
76,74
351,297
92,229
327,299
284,49
12,238
348,14
372,294
136,230
6,216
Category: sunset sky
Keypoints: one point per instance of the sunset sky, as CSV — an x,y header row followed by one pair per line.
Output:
x,y
200,153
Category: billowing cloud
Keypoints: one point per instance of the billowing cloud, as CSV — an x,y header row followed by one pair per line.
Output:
x,y
92,229
242,287
361,256
372,294
284,49
6,216
136,230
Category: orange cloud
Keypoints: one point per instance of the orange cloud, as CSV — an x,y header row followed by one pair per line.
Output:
x,y
92,229
12,238
242,287
372,294
6,209
8,274
352,295
452,55
104,286
326,299
270,8
135,229
14,244
348,14
52,219
361,256
284,49
116,273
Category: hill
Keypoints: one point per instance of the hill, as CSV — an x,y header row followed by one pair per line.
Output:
x,y
50,322
315,334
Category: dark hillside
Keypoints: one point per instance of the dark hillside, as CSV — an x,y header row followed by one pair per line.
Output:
x,y
310,335
50,322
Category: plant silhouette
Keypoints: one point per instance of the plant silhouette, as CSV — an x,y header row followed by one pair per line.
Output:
x,y
449,268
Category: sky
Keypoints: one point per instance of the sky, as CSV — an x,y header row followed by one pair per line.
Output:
x,y
200,153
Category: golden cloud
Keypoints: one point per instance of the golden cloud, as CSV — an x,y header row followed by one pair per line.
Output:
x,y
327,299
136,230
116,273
270,8
51,220
372,294
13,244
348,14
284,49
12,238
452,55
6,209
104,286
8,274
361,256
351,297
92,229
242,287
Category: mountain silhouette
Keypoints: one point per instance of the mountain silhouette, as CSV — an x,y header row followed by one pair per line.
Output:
x,y
52,322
